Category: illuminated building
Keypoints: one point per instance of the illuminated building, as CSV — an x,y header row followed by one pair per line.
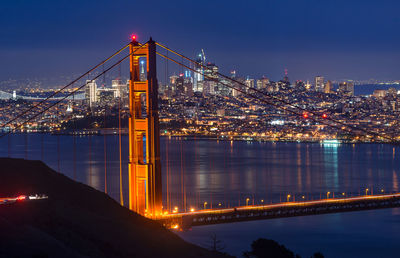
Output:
x,y
379,93
346,88
119,88
328,87
198,77
262,83
91,92
142,75
308,85
179,88
319,83
286,78
210,79
249,83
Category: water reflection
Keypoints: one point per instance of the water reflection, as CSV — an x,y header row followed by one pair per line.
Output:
x,y
331,165
224,171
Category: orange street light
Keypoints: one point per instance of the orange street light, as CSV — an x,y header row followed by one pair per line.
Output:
x,y
247,201
288,197
205,204
327,195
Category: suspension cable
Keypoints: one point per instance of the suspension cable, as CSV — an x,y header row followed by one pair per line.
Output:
x,y
71,93
63,88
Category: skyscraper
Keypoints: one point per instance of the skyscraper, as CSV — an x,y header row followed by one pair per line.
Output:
x,y
143,69
91,92
249,82
198,77
119,88
346,88
319,83
328,87
210,79
286,78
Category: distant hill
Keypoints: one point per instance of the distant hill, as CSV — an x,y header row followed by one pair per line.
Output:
x,y
76,220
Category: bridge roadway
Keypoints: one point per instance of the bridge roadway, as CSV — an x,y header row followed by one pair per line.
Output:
x,y
187,220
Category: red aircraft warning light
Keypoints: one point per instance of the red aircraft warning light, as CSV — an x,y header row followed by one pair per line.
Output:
x,y
305,115
324,116
133,37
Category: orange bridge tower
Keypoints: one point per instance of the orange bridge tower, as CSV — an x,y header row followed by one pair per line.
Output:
x,y
145,185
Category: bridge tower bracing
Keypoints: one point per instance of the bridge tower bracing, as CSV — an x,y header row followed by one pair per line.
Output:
x,y
145,186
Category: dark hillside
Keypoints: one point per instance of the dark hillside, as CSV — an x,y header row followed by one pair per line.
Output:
x,y
76,220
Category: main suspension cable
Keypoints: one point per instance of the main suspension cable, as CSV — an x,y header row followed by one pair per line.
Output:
x,y
63,88
71,93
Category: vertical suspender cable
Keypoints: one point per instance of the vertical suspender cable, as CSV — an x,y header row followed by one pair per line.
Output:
x,y
166,157
90,142
42,147
90,158
58,153
182,184
121,195
167,141
105,150
74,136
184,181
105,139
120,140
26,144
9,146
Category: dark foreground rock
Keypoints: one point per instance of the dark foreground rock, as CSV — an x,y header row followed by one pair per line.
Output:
x,y
76,220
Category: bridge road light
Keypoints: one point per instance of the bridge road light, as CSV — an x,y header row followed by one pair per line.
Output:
x,y
382,190
205,205
288,197
262,201
327,195
366,191
247,201
343,194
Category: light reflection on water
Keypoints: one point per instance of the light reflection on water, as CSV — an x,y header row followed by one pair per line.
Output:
x,y
223,171
229,172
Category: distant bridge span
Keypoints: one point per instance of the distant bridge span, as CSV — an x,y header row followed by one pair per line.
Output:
x,y
6,96
280,210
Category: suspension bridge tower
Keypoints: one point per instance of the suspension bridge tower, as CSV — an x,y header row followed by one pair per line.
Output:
x,y
145,192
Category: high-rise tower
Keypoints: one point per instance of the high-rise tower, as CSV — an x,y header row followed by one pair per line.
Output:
x,y
319,83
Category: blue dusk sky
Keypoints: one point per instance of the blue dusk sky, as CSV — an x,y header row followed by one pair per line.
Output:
x,y
340,39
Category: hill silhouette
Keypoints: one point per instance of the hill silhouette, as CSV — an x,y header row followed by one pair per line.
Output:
x,y
76,220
